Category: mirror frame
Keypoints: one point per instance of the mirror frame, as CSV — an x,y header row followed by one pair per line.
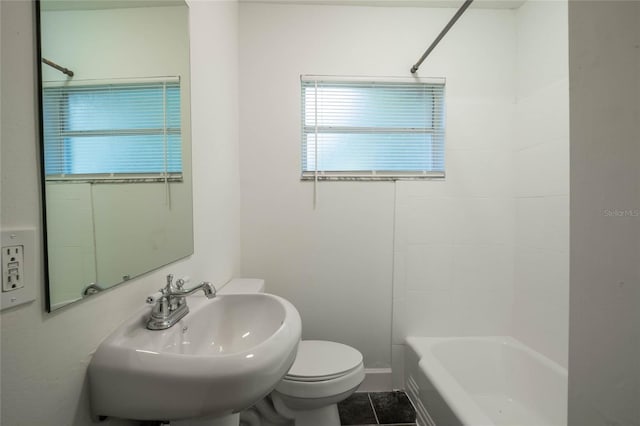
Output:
x,y
43,193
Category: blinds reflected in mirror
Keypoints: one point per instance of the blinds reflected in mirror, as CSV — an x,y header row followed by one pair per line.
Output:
x,y
126,130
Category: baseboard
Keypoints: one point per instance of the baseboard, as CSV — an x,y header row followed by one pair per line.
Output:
x,y
377,380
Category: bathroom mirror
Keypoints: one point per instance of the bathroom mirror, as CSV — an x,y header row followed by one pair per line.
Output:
x,y
115,141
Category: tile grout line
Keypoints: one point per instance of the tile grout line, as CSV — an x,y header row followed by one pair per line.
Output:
x,y
373,408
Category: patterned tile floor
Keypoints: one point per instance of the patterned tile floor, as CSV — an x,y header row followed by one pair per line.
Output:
x,y
367,409
377,408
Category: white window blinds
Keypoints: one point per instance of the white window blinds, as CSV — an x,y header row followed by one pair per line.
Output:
x,y
113,130
355,127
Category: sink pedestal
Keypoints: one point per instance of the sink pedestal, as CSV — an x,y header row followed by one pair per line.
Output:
x,y
230,420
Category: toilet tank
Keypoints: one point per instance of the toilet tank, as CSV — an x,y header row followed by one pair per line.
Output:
x,y
243,285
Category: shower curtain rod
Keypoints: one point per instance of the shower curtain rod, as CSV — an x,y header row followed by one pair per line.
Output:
x,y
64,70
446,29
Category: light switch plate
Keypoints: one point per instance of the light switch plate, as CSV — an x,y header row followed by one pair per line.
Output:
x,y
18,267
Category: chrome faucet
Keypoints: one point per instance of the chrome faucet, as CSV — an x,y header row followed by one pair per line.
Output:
x,y
92,288
170,304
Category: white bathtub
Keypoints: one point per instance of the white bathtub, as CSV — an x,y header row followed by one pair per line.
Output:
x,y
478,381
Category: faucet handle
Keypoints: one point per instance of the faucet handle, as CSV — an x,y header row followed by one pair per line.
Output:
x,y
169,282
180,283
155,297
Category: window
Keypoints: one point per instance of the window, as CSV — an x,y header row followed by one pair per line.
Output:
x,y
106,131
372,129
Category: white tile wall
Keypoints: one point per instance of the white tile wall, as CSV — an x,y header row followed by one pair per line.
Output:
x,y
480,172
543,223
432,220
429,267
541,187
541,170
487,221
454,239
542,46
483,269
542,115
450,277
496,113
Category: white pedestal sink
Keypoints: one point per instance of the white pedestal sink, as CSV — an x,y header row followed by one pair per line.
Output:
x,y
221,358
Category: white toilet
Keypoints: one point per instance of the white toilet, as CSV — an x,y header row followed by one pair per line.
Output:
x,y
323,374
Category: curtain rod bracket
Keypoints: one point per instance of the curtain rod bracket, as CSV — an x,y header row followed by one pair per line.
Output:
x,y
62,69
444,31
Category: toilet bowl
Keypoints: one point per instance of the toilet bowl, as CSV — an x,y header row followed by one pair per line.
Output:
x,y
323,374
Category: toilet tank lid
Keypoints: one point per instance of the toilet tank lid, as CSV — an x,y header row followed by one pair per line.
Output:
x,y
319,359
243,285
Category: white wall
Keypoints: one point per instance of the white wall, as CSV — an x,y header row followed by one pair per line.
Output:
x,y
604,360
44,356
130,42
214,123
335,263
541,146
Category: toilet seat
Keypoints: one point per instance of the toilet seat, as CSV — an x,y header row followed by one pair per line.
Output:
x,y
319,360
322,369
318,378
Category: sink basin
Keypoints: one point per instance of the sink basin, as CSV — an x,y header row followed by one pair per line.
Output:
x,y
225,355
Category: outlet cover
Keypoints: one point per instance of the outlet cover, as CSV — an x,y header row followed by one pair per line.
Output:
x,y
18,267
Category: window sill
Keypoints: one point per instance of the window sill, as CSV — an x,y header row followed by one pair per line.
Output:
x,y
371,178
113,179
